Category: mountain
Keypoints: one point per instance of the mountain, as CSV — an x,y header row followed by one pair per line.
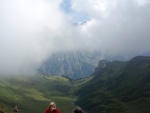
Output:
x,y
71,64
117,87
79,23
114,87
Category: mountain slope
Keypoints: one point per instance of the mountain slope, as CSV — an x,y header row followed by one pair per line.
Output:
x,y
33,94
118,87
71,64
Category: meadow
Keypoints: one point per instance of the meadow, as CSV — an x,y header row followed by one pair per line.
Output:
x,y
32,94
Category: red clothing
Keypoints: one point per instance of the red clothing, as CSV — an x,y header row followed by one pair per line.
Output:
x,y
54,111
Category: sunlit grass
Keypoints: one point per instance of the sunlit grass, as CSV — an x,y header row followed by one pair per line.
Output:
x,y
33,94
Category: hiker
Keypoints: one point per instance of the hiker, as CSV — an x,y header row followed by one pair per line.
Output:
x,y
52,108
15,109
78,110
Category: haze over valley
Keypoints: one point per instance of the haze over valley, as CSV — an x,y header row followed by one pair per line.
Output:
x,y
89,53
33,30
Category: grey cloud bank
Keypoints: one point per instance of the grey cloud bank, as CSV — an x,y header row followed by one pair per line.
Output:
x,y
31,30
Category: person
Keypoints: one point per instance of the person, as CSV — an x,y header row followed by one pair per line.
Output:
x,y
52,108
15,109
78,110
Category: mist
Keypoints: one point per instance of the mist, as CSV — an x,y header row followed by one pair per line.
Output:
x,y
32,30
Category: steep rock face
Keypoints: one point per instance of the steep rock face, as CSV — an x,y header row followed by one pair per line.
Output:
x,y
71,64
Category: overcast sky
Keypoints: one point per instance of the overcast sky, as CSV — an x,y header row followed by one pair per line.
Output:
x,y
31,30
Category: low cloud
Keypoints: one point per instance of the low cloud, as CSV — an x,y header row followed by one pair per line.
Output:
x,y
117,27
31,30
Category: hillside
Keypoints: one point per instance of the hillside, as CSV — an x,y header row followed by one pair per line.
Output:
x,y
33,94
118,87
114,87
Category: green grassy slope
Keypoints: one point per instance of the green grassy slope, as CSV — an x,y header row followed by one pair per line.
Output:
x,y
118,87
33,94
115,87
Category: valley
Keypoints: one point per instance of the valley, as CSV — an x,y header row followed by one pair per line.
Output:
x,y
94,54
114,87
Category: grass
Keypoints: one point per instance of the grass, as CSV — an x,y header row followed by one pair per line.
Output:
x,y
33,94
120,87
64,103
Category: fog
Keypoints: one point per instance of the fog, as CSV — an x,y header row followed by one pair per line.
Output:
x,y
32,30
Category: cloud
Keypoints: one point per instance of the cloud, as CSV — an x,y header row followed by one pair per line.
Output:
x,y
31,30
28,28
118,27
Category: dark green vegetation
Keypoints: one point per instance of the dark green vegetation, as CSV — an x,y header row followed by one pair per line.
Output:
x,y
114,87
118,87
